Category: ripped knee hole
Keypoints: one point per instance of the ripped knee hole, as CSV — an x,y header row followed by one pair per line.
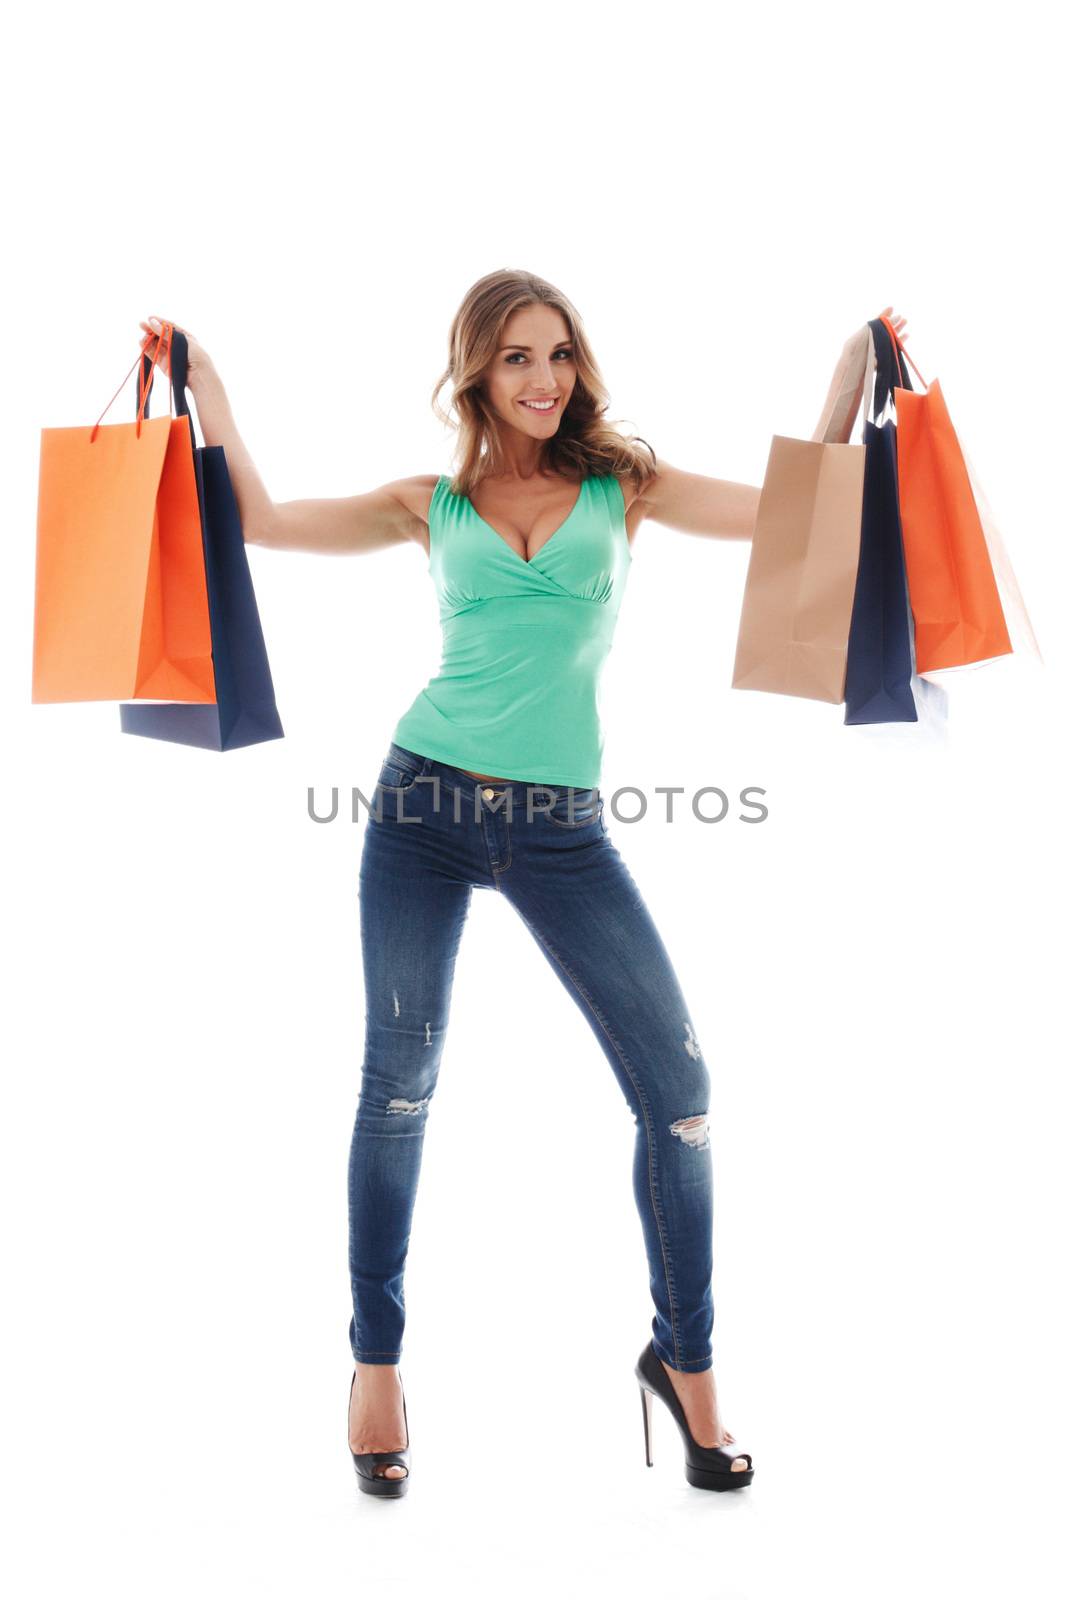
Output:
x,y
692,1130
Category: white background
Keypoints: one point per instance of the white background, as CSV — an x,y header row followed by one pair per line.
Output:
x,y
875,973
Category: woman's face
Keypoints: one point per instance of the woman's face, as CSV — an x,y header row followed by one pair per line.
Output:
x,y
533,361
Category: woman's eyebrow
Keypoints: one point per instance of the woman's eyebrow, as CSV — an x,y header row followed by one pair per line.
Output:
x,y
528,347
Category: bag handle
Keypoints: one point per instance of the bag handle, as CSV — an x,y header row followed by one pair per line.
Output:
x,y
143,385
883,351
885,356
839,413
898,351
179,375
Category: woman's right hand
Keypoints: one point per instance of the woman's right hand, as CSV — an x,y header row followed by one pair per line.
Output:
x,y
198,356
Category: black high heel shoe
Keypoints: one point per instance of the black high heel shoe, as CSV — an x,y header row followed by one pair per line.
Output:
x,y
705,1467
367,1462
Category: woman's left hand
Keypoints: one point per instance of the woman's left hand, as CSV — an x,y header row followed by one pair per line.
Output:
x,y
860,336
897,322
849,369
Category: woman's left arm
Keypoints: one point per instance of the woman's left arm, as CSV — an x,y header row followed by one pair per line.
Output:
x,y
716,508
691,503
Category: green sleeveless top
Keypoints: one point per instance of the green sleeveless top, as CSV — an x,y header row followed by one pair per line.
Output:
x,y
523,642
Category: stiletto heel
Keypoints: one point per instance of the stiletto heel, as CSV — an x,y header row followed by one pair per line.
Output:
x,y
646,1414
706,1467
367,1462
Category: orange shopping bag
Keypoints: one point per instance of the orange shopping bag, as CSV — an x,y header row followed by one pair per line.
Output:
x,y
955,602
121,607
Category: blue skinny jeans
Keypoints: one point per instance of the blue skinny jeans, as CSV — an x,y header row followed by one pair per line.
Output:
x,y
431,836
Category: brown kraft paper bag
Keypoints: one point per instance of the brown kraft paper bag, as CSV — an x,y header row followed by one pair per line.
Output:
x,y
801,583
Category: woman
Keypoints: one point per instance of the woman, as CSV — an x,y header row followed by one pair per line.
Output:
x,y
491,782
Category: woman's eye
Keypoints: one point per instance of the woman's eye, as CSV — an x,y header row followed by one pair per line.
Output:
x,y
518,355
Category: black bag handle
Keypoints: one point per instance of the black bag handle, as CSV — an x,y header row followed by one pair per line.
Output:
x,y
179,377
888,366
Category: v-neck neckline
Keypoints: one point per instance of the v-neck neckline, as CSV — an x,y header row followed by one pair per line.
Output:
x,y
523,560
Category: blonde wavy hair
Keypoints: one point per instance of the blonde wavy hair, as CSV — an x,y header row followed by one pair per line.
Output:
x,y
584,444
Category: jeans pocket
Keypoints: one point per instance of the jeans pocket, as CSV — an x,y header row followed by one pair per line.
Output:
x,y
395,778
399,769
575,808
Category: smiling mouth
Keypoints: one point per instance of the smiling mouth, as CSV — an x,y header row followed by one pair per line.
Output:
x,y
540,406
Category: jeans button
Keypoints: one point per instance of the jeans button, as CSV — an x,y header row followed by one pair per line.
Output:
x,y
488,794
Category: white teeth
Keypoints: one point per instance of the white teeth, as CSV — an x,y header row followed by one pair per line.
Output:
x,y
538,405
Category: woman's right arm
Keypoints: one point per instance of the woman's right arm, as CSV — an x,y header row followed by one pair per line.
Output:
x,y
353,525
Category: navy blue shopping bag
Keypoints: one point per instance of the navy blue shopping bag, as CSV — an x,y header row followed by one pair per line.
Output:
x,y
245,711
879,660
